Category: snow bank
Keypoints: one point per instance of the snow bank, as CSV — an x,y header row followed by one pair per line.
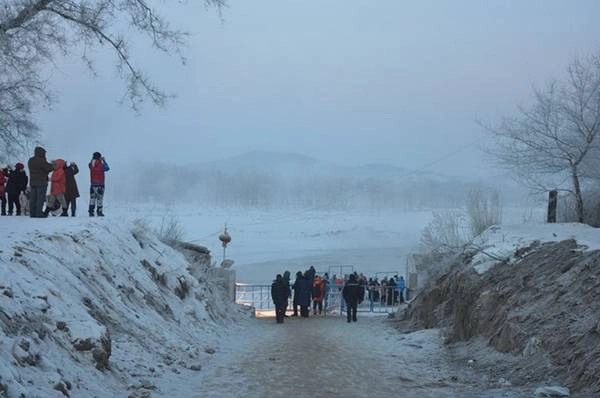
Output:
x,y
97,308
503,242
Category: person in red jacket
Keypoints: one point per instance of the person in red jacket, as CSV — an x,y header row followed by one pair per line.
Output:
x,y
318,294
56,202
98,167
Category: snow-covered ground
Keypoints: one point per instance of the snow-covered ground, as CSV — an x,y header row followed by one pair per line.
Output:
x,y
502,242
69,287
102,308
327,357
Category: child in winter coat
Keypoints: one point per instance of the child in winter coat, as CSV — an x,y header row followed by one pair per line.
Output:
x,y
17,183
56,202
72,192
24,200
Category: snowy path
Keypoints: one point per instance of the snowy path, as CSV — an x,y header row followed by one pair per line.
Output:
x,y
326,357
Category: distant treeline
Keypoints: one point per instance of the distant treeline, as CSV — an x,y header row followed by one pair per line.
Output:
x,y
176,185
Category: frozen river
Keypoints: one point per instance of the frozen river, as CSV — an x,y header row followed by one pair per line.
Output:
x,y
269,242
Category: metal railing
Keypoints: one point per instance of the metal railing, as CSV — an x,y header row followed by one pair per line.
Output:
x,y
384,299
257,296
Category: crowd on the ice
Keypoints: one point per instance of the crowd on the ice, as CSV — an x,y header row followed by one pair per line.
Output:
x,y
312,288
26,195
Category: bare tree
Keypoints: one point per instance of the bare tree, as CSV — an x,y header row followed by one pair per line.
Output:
x,y
448,231
547,144
33,33
483,210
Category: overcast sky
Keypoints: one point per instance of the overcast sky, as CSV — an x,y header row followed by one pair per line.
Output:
x,y
345,80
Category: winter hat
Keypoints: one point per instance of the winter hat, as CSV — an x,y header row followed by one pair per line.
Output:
x,y
96,155
39,152
19,166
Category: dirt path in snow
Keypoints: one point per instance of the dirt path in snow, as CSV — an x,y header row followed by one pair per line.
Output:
x,y
327,357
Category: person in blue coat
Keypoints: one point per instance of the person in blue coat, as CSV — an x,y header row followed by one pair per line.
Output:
x,y
304,295
401,286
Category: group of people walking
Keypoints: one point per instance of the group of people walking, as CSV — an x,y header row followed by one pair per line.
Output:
x,y
26,195
306,288
309,287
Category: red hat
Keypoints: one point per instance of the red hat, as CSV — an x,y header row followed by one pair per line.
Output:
x,y
19,166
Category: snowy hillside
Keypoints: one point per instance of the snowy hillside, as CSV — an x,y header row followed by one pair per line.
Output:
x,y
503,242
99,308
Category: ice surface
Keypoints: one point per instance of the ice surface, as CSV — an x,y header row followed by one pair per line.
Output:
x,y
267,242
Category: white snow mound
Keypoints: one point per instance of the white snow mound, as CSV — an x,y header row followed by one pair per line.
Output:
x,y
502,242
101,308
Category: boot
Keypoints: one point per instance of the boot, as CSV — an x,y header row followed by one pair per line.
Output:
x,y
46,212
64,213
91,211
99,212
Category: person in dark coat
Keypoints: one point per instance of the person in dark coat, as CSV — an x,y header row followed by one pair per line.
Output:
x,y
304,298
286,278
279,294
39,168
310,274
3,176
392,292
296,289
353,294
17,183
72,192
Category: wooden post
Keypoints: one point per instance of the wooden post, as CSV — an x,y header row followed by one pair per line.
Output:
x,y
552,204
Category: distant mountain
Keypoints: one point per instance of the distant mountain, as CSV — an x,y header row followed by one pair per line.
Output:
x,y
294,165
274,163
